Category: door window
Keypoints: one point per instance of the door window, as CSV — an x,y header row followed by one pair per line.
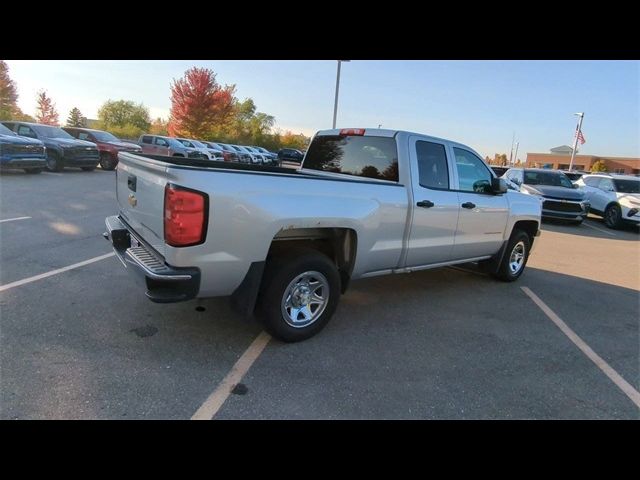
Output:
x,y
161,142
26,131
473,174
432,165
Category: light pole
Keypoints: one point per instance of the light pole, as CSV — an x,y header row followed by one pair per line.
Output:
x,y
575,140
515,157
335,105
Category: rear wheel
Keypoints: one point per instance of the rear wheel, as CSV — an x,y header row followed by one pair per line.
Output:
x,y
33,171
515,257
613,216
54,162
299,294
107,161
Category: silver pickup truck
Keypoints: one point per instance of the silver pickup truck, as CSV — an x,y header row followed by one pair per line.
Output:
x,y
284,244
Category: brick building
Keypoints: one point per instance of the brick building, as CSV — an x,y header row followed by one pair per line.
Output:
x,y
560,157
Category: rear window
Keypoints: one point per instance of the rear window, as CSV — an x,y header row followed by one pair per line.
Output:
x,y
360,156
147,139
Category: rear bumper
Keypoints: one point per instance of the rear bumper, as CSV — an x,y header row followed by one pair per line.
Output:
x,y
163,283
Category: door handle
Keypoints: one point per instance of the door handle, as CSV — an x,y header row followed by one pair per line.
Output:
x,y
425,204
468,205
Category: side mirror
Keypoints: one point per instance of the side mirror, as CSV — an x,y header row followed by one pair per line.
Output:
x,y
498,186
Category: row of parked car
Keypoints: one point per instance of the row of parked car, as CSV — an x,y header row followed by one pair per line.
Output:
x,y
616,198
33,147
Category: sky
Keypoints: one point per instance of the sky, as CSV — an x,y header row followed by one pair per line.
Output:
x,y
478,103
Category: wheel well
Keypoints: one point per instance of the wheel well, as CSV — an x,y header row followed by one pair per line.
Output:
x,y
611,203
339,244
528,226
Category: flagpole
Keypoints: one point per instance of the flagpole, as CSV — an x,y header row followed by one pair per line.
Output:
x,y
575,140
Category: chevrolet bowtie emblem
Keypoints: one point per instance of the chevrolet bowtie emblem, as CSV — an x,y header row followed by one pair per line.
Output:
x,y
132,200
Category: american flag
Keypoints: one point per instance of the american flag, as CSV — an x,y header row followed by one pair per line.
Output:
x,y
580,136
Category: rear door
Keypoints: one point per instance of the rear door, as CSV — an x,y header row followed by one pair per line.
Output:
x,y
436,205
147,144
483,215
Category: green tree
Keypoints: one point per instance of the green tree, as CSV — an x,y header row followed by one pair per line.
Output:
x,y
76,119
599,166
8,94
124,115
158,127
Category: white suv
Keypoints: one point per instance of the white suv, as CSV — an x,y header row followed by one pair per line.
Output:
x,y
616,198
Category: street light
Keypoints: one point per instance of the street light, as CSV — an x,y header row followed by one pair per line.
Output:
x,y
335,105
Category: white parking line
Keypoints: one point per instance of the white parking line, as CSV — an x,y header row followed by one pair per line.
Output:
x,y
615,377
212,404
14,219
599,229
24,281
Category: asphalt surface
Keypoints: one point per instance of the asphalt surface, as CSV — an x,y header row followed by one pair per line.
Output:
x,y
441,344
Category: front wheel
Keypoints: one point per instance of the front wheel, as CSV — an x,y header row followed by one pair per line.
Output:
x,y
54,162
515,257
107,161
300,294
613,216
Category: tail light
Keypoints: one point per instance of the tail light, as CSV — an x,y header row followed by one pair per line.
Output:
x,y
352,131
185,216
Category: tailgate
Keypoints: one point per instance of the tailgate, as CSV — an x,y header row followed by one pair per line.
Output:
x,y
140,183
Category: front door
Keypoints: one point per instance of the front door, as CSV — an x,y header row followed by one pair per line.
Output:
x,y
435,206
483,215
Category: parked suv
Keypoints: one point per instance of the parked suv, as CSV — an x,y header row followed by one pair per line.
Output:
x,y
271,157
61,148
168,146
212,154
108,145
616,198
229,154
19,152
290,155
560,198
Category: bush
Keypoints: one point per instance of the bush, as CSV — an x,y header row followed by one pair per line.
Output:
x,y
599,166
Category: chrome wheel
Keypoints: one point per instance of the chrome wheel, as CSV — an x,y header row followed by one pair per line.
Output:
x,y
516,260
304,299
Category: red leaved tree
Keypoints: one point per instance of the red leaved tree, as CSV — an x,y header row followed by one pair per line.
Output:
x,y
46,110
199,103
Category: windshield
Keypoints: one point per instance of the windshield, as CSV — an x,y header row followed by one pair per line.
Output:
x,y
198,144
5,131
554,179
186,143
105,137
51,132
627,186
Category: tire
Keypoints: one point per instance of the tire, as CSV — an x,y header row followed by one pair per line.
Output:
x,y
107,162
54,163
33,171
518,243
613,216
290,279
88,169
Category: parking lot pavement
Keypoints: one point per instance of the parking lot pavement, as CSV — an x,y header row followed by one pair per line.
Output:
x,y
447,343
